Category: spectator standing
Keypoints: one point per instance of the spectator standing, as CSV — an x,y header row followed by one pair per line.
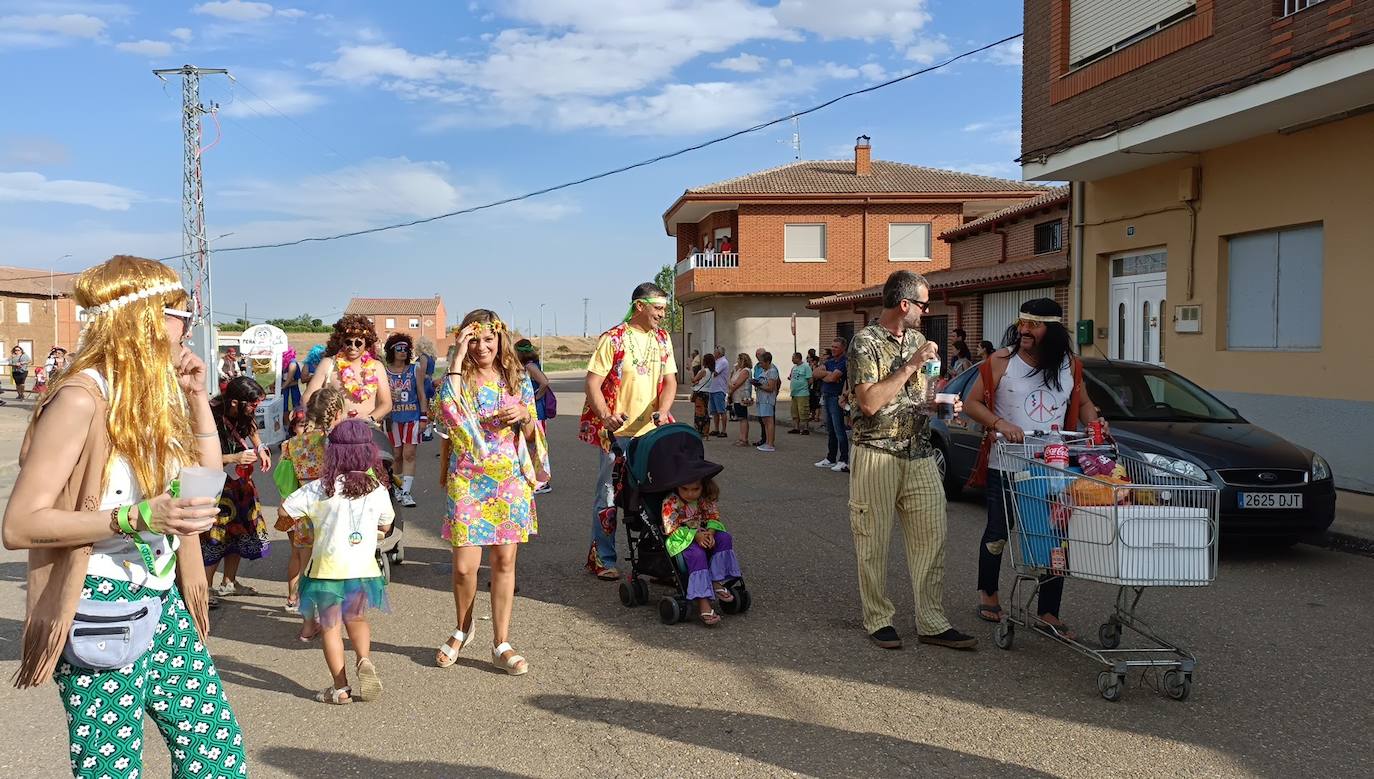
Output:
x,y
963,360
985,349
228,367
895,470
534,368
799,385
832,377
758,374
19,369
727,245
720,388
767,384
742,395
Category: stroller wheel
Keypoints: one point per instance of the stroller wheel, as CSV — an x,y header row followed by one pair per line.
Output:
x,y
385,564
640,590
684,609
745,600
668,610
627,597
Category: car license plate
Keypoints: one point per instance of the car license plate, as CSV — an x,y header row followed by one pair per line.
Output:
x,y
1270,500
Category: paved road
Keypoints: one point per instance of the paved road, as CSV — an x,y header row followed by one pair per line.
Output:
x,y
793,688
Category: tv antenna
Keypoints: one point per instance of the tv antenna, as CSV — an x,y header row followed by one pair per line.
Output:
x,y
795,140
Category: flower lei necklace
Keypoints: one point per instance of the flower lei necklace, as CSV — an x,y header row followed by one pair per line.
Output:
x,y
359,382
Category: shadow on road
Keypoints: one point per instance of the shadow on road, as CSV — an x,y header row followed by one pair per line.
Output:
x,y
813,750
314,764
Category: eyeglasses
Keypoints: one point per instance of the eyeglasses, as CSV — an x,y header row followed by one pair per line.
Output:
x,y
924,305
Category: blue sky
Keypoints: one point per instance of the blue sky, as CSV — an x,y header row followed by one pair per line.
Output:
x,y
348,115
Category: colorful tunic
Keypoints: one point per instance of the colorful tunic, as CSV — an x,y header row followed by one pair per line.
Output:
x,y
682,520
590,428
240,528
302,461
492,470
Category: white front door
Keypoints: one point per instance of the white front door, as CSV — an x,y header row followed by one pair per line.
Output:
x,y
706,329
1138,303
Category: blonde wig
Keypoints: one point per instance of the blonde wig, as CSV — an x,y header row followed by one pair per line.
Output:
x,y
324,407
149,421
506,363
426,347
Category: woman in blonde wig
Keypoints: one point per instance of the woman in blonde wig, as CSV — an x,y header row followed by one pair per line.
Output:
x,y
117,597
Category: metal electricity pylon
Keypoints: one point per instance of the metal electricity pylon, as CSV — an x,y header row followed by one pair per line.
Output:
x,y
194,246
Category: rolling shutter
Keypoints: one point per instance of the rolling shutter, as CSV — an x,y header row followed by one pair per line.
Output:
x,y
1002,309
1095,25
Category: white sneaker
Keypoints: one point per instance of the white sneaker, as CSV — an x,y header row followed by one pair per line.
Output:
x,y
840,468
825,463
544,489
407,500
765,448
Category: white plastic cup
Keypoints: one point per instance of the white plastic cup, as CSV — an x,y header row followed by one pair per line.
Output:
x,y
199,482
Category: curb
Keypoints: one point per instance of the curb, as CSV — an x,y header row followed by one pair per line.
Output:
x,y
1344,542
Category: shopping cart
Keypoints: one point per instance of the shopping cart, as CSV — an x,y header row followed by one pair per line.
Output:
x,y
1151,527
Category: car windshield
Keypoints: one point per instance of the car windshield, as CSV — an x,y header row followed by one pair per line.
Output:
x,y
1154,394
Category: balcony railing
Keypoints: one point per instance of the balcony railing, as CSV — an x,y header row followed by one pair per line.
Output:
x,y
708,260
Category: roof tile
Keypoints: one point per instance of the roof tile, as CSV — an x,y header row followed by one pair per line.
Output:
x,y
377,306
1050,198
837,176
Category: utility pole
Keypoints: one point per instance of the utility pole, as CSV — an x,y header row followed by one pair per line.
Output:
x,y
194,247
584,316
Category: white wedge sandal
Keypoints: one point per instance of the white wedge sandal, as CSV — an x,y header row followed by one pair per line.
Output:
x,y
450,653
515,666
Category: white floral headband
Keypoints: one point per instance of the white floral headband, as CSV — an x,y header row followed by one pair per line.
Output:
x,y
124,300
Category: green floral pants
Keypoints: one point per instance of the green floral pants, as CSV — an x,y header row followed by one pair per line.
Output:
x,y
174,681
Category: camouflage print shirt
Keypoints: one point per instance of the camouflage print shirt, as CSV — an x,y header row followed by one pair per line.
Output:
x,y
901,427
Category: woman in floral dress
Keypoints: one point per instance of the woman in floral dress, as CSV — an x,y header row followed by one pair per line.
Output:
x,y
494,457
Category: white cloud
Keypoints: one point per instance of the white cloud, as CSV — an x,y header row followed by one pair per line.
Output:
x,y
33,151
31,187
358,194
44,30
894,20
677,108
927,50
743,62
283,91
182,34
292,13
873,71
1008,54
1001,170
1004,131
146,48
235,10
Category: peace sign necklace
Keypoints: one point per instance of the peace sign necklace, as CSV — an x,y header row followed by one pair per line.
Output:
x,y
355,523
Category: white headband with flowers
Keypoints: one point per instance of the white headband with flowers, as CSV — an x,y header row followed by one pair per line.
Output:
x,y
124,300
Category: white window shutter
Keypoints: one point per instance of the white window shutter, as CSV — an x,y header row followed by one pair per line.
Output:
x,y
1095,25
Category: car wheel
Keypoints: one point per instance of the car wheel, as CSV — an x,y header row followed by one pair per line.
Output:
x,y
953,489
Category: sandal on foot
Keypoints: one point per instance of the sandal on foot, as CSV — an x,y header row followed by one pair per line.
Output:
x,y
709,618
448,654
335,696
989,613
723,594
515,665
369,683
1057,630
243,589
608,574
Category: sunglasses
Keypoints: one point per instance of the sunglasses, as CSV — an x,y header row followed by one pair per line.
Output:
x,y
357,343
400,348
924,305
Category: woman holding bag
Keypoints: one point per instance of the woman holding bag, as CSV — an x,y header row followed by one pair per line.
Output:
x,y
112,552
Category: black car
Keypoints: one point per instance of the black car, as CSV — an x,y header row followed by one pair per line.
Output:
x,y
1270,488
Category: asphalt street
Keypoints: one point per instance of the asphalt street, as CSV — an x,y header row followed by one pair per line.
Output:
x,y
791,688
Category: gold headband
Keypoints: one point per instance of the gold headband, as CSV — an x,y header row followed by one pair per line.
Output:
x,y
492,327
1045,319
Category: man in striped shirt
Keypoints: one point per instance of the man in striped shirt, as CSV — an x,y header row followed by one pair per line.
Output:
x,y
893,473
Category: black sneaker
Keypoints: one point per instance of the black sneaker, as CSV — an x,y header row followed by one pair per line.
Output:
x,y
950,638
887,638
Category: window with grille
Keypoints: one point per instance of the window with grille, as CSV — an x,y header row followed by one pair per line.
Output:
x,y
1293,6
1049,237
414,323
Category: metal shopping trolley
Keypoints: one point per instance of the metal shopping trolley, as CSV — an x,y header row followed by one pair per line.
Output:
x,y
1148,527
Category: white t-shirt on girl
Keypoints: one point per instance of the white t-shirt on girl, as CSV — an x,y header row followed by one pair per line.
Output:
x,y
339,522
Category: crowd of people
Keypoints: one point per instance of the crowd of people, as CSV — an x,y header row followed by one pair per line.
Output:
x,y
114,542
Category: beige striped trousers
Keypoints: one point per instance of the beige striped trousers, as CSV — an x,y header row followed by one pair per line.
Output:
x,y
882,487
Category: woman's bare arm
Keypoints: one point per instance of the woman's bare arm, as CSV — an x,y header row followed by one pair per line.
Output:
x,y
317,379
383,407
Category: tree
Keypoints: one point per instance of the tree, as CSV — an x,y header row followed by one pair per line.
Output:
x,y
667,279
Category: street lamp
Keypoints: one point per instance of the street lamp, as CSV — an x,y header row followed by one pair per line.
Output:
x,y
541,327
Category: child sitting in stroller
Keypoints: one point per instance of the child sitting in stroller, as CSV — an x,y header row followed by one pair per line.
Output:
x,y
693,531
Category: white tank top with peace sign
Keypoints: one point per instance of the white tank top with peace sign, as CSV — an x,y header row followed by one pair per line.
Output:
x,y
1025,400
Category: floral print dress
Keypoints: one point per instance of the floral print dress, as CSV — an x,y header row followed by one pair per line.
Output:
x,y
492,470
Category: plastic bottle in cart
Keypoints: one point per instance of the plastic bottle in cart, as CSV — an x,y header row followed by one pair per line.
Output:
x,y
1057,456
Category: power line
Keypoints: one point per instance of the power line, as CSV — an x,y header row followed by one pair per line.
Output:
x,y
622,169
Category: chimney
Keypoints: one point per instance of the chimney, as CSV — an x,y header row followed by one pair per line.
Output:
x,y
863,165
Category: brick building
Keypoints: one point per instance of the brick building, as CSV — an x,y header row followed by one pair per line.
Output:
x,y
812,228
420,317
996,262
36,312
1222,169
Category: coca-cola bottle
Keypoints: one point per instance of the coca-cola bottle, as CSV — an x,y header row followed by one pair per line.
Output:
x,y
1056,454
